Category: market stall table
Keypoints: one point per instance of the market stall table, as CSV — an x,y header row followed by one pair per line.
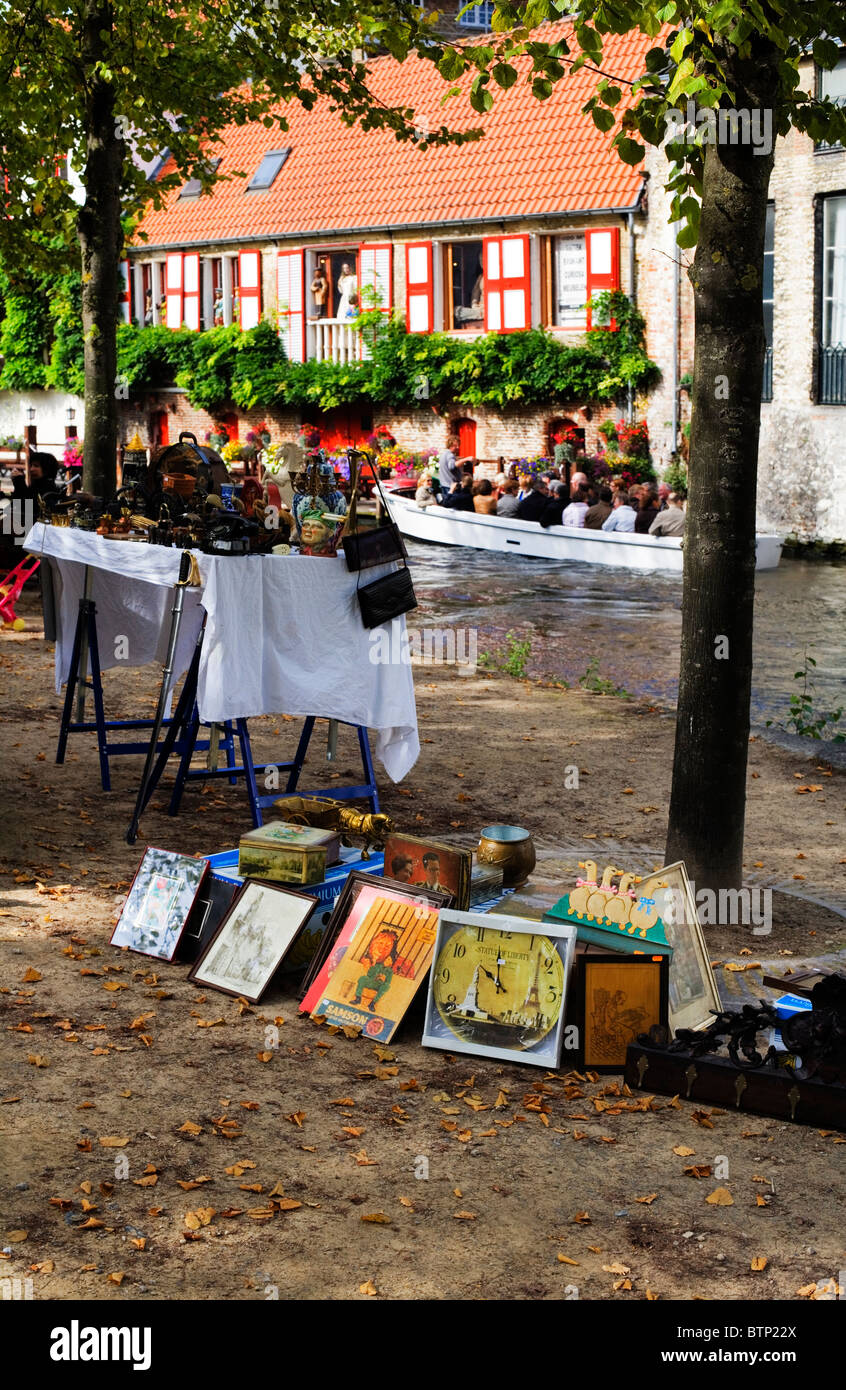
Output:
x,y
282,634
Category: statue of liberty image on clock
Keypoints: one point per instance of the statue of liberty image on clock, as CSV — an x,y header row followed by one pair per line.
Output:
x,y
496,989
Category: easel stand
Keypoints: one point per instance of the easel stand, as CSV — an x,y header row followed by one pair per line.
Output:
x,y
182,729
86,652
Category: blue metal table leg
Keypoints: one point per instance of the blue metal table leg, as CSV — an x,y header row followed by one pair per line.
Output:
x,y
300,755
367,764
249,771
191,729
73,677
97,690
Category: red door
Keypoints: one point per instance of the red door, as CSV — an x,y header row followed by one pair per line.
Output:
x,y
159,432
466,438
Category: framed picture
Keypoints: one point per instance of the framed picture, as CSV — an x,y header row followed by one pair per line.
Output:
x,y
694,995
617,997
498,987
378,950
428,864
159,901
210,907
248,946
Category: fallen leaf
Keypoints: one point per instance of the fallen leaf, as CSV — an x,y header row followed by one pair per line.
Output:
x,y
720,1197
759,1262
378,1218
297,1118
190,1128
464,1216
115,1141
368,1287
37,1059
683,1151
31,976
91,1224
117,1278
698,1170
616,1268
565,1260
647,1201
16,1236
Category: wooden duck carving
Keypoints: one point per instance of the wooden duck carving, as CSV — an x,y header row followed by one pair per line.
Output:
x,y
618,907
584,887
602,895
643,915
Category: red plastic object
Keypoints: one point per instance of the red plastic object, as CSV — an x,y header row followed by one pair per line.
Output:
x,y
10,588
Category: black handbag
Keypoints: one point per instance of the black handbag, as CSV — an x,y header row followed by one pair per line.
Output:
x,y
377,545
387,598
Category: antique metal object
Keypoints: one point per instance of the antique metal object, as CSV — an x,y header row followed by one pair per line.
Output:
x,y
512,848
329,814
724,1064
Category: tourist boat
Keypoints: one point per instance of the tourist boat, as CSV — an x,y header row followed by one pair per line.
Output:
x,y
621,549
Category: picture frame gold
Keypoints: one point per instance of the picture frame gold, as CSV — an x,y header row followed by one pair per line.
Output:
x,y
617,998
693,993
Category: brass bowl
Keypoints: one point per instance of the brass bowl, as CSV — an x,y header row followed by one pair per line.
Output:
x,y
512,848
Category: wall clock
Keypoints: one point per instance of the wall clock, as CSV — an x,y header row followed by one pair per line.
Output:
x,y
498,987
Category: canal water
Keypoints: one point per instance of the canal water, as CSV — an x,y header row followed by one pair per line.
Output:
x,y
626,626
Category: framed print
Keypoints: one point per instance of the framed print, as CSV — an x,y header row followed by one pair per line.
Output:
x,y
378,948
159,901
248,946
617,998
694,995
210,907
428,864
498,987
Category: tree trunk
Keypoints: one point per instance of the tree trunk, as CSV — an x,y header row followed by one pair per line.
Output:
x,y
707,803
101,243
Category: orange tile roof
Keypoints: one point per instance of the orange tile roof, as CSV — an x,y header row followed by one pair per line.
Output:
x,y
535,157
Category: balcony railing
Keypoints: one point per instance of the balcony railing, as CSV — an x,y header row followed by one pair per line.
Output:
x,y
832,375
767,382
333,340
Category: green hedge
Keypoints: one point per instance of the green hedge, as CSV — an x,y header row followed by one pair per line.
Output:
x,y
250,370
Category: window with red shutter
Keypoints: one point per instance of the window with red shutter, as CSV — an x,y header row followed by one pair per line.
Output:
x,y
603,261
249,285
508,284
419,287
191,290
125,292
375,290
290,303
173,289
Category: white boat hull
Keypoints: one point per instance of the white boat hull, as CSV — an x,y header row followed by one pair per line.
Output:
x,y
621,550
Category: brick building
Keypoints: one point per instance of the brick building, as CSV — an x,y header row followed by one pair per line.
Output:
x,y
515,231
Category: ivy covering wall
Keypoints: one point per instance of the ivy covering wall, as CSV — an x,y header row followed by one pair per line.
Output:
x,y
250,370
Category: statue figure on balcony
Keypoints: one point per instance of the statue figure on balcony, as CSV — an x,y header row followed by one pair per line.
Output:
x,y
348,292
320,291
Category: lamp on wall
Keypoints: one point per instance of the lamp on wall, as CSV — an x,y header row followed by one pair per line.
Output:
x,y
30,414
70,414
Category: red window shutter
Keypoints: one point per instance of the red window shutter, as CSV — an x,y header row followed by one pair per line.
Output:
x,y
191,290
290,303
603,261
375,265
173,289
419,287
125,293
508,284
249,285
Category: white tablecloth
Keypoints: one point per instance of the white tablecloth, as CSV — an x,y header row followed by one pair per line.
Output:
x,y
283,633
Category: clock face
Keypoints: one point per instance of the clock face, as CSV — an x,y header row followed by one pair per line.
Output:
x,y
498,988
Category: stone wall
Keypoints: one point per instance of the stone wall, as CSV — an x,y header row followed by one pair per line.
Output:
x,y
802,474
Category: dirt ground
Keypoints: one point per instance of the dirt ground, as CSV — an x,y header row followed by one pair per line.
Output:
x,y
411,1174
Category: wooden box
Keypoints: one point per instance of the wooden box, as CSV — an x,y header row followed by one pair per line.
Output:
x,y
286,853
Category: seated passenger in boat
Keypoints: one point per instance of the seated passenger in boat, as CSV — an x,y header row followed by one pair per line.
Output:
x,y
460,495
532,507
600,511
484,500
622,517
425,495
575,513
508,504
648,508
670,522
